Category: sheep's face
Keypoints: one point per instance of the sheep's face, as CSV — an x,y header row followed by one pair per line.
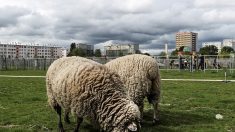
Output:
x,y
132,127
129,127
132,123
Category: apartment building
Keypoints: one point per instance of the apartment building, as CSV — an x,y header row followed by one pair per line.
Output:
x,y
188,39
115,50
18,50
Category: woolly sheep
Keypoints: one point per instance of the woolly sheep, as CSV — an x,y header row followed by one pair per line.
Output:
x,y
89,89
140,74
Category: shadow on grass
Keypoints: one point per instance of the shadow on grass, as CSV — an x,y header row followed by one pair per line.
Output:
x,y
171,120
86,126
228,101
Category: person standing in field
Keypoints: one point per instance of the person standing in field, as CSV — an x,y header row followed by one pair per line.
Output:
x,y
201,63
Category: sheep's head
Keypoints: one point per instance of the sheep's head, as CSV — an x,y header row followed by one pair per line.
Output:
x,y
131,121
129,127
133,127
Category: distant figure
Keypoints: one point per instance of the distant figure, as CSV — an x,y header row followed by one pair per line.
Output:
x,y
216,65
191,64
181,64
172,63
202,62
195,63
186,63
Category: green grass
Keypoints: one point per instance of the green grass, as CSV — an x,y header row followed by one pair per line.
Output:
x,y
209,74
166,74
23,72
185,106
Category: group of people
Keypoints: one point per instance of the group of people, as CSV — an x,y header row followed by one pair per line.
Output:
x,y
194,63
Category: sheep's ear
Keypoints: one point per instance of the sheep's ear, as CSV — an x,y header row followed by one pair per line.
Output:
x,y
132,127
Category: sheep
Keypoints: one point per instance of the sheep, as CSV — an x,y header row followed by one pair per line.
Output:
x,y
140,74
89,89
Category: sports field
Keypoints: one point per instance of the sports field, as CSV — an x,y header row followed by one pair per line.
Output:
x,y
185,106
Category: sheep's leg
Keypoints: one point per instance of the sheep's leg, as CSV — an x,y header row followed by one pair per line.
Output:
x,y
155,112
79,121
154,101
141,108
58,110
66,117
154,97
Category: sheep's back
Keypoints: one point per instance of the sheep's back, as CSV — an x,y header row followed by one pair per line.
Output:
x,y
137,72
133,65
68,78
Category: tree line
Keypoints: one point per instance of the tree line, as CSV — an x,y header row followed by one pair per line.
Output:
x,y
207,50
76,51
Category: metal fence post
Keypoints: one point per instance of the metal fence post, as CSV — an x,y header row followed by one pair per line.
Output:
x,y
5,61
44,65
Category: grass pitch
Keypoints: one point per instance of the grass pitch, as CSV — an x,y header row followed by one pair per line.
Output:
x,y
184,107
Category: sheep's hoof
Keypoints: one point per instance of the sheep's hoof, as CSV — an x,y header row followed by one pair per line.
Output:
x,y
61,130
142,122
155,121
67,121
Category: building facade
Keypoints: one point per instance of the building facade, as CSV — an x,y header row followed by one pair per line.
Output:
x,y
229,42
188,39
217,44
115,50
89,49
18,50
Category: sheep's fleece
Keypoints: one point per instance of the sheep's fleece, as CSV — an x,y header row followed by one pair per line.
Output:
x,y
89,89
140,74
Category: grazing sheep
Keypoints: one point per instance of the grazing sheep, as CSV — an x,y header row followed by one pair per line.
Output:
x,y
89,89
140,74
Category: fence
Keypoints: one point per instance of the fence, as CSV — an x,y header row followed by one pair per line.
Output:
x,y
191,63
37,64
24,64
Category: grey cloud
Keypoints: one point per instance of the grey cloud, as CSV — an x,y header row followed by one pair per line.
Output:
x,y
9,15
151,23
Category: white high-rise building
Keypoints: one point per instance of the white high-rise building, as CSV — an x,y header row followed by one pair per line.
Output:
x,y
217,44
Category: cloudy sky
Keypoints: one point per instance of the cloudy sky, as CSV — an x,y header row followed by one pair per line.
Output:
x,y
151,23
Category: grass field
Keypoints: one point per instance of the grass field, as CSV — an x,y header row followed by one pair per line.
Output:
x,y
185,106
166,74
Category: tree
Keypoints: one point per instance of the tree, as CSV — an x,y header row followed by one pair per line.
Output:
x,y
72,48
78,52
174,52
209,50
181,48
226,50
162,53
187,52
146,54
121,53
97,53
138,52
